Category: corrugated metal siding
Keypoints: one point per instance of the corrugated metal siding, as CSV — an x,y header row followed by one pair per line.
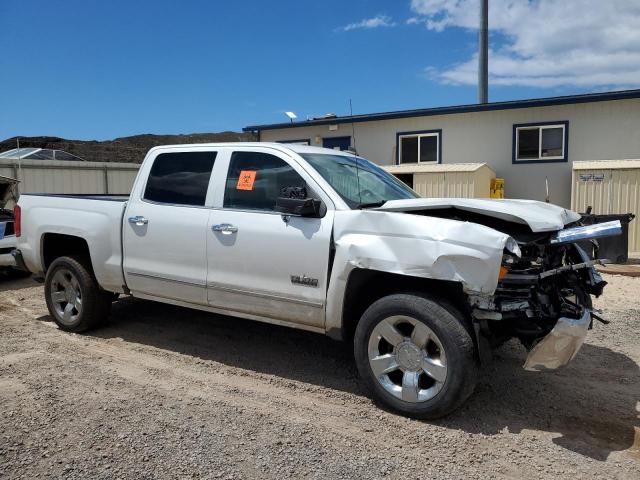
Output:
x,y
121,181
617,192
429,184
44,176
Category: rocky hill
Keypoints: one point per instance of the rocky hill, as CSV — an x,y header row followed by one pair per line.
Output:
x,y
126,149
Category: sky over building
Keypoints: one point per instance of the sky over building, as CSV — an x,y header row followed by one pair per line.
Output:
x,y
93,69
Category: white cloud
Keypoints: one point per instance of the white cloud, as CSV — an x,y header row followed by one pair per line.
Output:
x,y
375,22
545,43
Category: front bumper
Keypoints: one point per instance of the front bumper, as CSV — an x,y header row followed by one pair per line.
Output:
x,y
560,345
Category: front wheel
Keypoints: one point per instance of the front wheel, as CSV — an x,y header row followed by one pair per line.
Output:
x,y
74,298
415,355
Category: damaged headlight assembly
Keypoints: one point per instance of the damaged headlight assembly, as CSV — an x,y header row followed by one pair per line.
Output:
x,y
513,247
598,230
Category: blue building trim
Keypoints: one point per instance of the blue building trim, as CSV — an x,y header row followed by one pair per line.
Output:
x,y
419,132
425,112
565,157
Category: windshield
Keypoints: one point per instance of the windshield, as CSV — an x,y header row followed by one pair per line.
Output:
x,y
368,185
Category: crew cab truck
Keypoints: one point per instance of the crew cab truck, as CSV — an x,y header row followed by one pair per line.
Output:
x,y
328,242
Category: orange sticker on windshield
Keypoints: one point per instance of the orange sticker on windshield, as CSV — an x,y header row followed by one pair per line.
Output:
x,y
246,179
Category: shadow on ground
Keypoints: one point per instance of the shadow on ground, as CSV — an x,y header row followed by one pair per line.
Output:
x,y
588,407
15,280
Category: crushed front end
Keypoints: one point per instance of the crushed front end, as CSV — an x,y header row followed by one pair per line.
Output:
x,y
543,297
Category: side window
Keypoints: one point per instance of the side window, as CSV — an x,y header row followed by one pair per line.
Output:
x,y
255,180
545,142
180,178
419,147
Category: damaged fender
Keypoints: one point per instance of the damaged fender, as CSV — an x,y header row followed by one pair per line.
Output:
x,y
425,247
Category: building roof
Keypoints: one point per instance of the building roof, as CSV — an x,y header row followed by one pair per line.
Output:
x,y
434,167
607,165
477,107
38,154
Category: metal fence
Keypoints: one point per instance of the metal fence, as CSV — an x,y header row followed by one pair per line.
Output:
x,y
54,176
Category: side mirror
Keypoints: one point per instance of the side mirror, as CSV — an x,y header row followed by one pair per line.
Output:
x,y
298,207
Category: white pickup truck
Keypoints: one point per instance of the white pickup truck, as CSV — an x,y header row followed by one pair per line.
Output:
x,y
328,242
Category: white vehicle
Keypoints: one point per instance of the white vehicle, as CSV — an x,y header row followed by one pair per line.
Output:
x,y
327,242
7,234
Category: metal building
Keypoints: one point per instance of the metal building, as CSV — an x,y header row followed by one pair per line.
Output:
x,y
529,143
54,171
610,187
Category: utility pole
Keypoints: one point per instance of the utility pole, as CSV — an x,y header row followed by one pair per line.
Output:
x,y
483,53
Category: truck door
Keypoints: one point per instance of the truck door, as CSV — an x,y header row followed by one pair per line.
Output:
x,y
165,228
259,262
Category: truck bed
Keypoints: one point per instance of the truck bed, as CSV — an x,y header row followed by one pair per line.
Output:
x,y
95,218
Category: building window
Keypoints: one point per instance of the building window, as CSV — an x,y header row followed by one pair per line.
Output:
x,y
541,142
419,147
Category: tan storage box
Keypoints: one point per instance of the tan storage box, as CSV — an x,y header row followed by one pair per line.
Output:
x,y
452,180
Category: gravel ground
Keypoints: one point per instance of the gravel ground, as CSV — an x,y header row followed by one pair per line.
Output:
x,y
164,392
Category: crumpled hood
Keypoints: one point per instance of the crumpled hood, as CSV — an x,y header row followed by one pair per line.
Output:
x,y
6,189
540,216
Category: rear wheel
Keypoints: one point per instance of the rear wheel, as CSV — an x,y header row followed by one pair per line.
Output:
x,y
415,355
74,298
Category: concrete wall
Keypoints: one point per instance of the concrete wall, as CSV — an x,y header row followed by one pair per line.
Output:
x,y
599,130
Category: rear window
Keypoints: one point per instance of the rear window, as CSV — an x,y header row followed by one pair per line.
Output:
x,y
180,178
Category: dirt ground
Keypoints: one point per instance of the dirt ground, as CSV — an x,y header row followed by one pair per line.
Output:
x,y
164,392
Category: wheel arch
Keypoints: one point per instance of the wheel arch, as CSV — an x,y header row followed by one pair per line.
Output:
x,y
365,286
56,245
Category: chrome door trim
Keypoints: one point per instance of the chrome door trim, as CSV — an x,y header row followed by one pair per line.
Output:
x,y
224,228
165,279
138,220
268,296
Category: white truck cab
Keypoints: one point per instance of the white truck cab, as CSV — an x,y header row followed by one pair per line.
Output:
x,y
324,241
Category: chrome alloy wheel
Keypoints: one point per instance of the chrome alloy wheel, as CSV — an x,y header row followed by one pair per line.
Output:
x,y
407,359
66,296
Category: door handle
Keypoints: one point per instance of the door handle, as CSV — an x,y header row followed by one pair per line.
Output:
x,y
138,220
224,228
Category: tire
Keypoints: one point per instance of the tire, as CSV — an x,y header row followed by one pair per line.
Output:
x,y
74,298
425,366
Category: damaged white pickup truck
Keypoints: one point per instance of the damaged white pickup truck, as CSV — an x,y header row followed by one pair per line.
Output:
x,y
328,242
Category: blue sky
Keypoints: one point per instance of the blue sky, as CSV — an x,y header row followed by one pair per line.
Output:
x,y
90,69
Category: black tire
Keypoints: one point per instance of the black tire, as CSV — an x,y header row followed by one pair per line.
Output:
x,y
95,303
450,328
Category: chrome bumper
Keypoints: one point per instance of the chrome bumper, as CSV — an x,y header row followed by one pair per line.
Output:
x,y
561,344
